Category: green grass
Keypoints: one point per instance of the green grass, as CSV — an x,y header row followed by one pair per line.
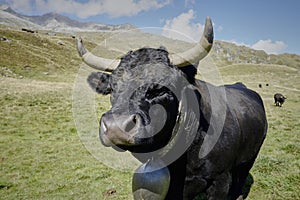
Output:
x,y
43,157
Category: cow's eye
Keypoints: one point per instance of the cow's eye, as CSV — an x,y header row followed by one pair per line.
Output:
x,y
163,96
156,90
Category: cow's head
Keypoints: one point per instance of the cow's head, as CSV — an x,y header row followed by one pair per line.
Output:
x,y
146,88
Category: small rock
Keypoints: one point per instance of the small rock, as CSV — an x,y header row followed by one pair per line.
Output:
x,y
60,43
109,192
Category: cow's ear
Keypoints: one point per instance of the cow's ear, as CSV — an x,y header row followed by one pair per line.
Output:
x,y
100,82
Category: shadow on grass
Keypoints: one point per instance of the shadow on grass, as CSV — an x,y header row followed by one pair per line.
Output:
x,y
246,189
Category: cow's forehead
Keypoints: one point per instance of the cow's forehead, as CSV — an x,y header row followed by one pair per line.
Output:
x,y
139,81
156,73
140,69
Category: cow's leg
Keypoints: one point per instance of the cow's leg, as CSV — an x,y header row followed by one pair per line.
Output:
x,y
239,176
219,188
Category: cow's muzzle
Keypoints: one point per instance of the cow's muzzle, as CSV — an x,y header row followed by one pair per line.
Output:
x,y
119,130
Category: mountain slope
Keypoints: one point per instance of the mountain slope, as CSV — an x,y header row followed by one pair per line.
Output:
x,y
10,19
51,54
225,53
54,22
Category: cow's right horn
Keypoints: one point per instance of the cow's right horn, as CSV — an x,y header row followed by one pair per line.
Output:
x,y
199,51
99,63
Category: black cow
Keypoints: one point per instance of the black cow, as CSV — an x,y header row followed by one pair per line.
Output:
x,y
193,137
279,99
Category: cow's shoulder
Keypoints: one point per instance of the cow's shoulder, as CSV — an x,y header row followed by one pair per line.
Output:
x,y
240,91
237,85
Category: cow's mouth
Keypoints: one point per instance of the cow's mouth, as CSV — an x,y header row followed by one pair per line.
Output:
x,y
122,142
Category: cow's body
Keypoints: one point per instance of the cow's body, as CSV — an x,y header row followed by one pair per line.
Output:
x,y
192,137
238,145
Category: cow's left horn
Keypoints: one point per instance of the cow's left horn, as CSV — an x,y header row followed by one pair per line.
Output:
x,y
199,51
99,63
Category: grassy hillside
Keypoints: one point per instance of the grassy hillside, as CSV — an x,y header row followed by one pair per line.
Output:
x,y
38,56
43,157
225,53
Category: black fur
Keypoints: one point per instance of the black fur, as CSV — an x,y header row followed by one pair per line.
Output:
x,y
100,82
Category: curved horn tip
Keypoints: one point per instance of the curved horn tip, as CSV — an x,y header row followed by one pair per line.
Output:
x,y
99,63
80,47
199,51
208,30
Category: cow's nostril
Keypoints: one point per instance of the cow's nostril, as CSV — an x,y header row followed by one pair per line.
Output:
x,y
131,123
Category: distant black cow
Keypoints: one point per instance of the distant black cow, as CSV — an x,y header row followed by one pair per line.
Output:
x,y
28,30
279,99
193,137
